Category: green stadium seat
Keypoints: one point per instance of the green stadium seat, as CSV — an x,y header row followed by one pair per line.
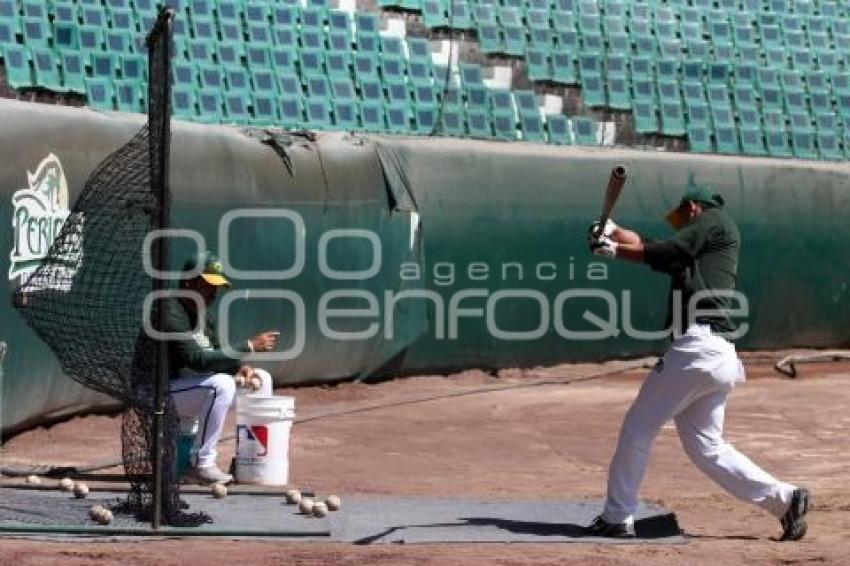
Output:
x,y
211,77
91,38
829,146
263,81
803,144
434,15
699,113
585,131
373,116
129,96
46,69
718,96
752,140
236,108
398,118
317,87
694,93
398,94
619,94
229,54
312,62
532,127
282,15
672,119
65,36
338,63
479,123
503,127
644,90
777,143
792,81
558,130
668,91
73,71
425,95
100,94
93,15
646,117
210,107
36,32
291,111
64,12
184,75
342,89
231,32
538,65
312,38
699,139
723,117
237,79
746,75
289,85
104,64
205,29
183,105
453,122
346,114
745,97
284,60
371,89
593,91
425,119
564,67
727,140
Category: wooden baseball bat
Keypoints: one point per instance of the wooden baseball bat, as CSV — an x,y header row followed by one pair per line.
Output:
x,y
612,193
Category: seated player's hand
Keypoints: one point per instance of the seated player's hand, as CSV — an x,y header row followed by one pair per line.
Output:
x,y
607,231
603,247
243,376
264,342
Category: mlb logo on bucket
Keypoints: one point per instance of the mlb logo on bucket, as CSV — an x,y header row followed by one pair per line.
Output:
x,y
252,441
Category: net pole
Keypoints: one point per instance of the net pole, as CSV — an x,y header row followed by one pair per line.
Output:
x,y
159,118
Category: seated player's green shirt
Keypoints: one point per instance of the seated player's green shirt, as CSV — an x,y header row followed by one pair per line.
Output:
x,y
701,257
202,352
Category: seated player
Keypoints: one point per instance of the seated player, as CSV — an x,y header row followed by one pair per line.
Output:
x,y
203,378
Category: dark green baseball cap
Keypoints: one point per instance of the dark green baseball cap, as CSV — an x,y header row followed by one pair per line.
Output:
x,y
695,192
210,268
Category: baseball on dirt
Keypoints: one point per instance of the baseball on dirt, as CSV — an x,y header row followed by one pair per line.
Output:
x,y
66,484
333,502
33,480
320,509
293,496
306,505
219,490
97,513
81,490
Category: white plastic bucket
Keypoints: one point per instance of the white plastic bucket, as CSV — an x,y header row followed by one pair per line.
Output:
x,y
263,427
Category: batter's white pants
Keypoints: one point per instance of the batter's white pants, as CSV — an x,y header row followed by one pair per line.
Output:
x,y
689,384
206,398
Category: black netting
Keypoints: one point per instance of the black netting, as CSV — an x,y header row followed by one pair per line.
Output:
x,y
86,298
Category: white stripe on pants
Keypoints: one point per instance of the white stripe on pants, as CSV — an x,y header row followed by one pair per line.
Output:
x,y
207,397
690,385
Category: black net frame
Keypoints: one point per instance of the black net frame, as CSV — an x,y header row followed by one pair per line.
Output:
x,y
86,298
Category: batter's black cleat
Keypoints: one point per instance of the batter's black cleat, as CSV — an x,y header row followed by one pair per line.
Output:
x,y
602,528
794,521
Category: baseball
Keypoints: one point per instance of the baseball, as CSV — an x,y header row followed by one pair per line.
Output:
x,y
33,480
293,496
66,484
320,509
306,506
106,516
81,490
219,491
96,513
333,502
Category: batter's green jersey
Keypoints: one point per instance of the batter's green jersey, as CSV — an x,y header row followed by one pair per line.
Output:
x,y
701,257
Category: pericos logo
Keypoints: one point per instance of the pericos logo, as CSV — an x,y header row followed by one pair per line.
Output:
x,y
38,214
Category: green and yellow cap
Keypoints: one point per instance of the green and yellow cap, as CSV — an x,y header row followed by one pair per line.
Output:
x,y
210,267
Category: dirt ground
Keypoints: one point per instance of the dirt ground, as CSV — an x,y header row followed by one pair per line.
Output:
x,y
440,436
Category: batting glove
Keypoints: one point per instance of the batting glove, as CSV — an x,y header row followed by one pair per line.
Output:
x,y
603,247
607,231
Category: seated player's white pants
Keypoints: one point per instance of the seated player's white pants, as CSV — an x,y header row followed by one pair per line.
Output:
x,y
207,397
689,384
